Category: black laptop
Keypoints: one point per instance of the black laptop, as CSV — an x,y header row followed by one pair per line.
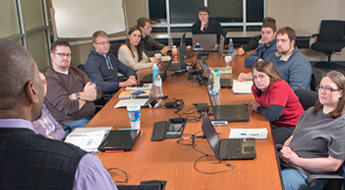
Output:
x,y
230,113
148,78
224,82
228,149
119,140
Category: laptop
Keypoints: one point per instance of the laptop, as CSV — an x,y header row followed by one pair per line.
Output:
x,y
230,113
221,46
224,82
228,149
148,78
207,42
119,140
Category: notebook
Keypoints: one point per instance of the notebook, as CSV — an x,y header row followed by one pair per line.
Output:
x,y
148,78
244,87
230,113
224,82
119,140
228,149
207,42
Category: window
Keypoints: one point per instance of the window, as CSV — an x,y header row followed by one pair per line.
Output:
x,y
233,14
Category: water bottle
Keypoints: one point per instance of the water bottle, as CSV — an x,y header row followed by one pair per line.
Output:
x,y
157,90
216,82
155,71
231,47
174,53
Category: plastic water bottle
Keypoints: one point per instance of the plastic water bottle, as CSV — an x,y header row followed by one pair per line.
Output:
x,y
216,82
174,52
157,90
231,47
155,71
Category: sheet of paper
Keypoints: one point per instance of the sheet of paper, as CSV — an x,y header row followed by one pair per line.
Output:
x,y
88,139
242,87
125,103
257,133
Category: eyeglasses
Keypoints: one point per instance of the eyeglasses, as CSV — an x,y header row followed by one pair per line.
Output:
x,y
327,89
101,43
63,54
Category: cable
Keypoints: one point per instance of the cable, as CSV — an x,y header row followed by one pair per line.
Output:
x,y
216,172
126,176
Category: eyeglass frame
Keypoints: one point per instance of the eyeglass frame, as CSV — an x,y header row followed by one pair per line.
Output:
x,y
61,54
327,89
102,43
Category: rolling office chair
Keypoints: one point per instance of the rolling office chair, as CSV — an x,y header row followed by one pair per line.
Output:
x,y
331,38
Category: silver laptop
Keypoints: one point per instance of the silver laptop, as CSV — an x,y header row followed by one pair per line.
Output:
x,y
228,149
224,82
206,42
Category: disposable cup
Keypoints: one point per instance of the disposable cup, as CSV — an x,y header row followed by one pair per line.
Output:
x,y
134,116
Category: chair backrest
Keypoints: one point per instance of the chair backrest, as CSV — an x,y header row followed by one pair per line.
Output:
x,y
316,77
332,31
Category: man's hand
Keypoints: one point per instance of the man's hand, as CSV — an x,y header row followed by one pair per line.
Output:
x,y
241,51
89,85
165,49
129,82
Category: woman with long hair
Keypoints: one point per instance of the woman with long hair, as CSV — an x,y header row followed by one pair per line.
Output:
x,y
131,53
275,100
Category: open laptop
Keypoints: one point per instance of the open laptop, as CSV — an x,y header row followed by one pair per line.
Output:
x,y
224,82
230,113
228,149
221,46
148,78
207,42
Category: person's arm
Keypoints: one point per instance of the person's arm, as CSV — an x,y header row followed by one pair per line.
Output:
x,y
245,76
288,141
196,28
252,44
272,112
58,133
93,70
328,164
126,71
126,57
91,174
300,74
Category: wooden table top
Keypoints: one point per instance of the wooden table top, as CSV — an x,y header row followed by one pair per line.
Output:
x,y
170,161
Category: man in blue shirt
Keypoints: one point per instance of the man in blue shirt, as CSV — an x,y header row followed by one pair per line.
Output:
x,y
290,63
30,161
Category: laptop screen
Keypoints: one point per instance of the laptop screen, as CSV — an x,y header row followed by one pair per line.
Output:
x,y
221,45
206,41
211,134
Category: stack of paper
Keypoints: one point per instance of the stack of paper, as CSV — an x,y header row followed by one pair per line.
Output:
x,y
222,70
127,102
257,133
242,87
88,139
146,86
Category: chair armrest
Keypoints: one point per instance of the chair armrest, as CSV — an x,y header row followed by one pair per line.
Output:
x,y
314,177
315,35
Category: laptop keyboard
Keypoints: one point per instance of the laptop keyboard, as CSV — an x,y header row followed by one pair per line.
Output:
x,y
225,83
231,148
232,113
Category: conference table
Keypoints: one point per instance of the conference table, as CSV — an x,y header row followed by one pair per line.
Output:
x,y
170,161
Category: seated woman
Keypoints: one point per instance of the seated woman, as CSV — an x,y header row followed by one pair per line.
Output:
x,y
275,100
207,26
317,145
46,125
131,53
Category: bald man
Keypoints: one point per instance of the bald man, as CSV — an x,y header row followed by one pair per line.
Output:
x,y
30,161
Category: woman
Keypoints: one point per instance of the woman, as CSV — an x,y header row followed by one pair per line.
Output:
x,y
207,26
46,125
131,53
318,144
275,100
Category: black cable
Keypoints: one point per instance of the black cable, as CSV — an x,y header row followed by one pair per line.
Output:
x,y
126,176
216,172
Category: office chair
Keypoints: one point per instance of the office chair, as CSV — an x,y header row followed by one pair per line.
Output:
x,y
335,180
307,98
331,38
316,76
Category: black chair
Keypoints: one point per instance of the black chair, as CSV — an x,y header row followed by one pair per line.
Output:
x,y
307,98
335,180
316,77
331,38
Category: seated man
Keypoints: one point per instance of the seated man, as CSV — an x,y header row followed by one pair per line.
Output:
x,y
256,40
103,67
290,63
150,46
70,93
28,160
207,26
265,50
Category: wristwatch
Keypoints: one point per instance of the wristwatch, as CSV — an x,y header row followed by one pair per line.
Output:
x,y
77,95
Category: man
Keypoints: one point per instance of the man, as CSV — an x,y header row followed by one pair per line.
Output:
x,y
30,161
290,63
150,46
265,50
70,93
205,25
103,67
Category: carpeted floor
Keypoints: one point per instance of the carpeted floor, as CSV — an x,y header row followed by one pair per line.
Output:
x,y
337,65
